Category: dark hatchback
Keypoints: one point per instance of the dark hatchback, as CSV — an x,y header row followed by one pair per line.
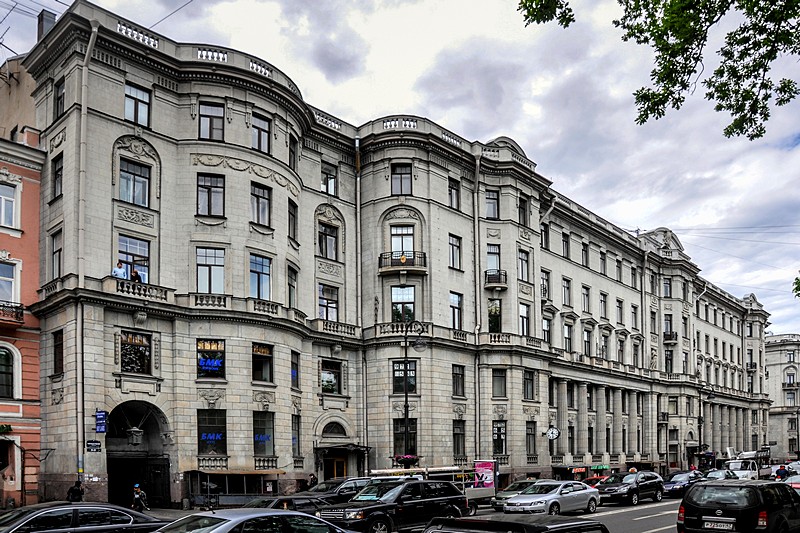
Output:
x,y
338,489
631,487
676,483
516,524
740,505
77,517
295,502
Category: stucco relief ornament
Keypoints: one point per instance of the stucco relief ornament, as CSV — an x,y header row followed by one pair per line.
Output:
x,y
500,411
403,213
8,177
136,146
531,412
57,139
265,398
459,410
492,232
5,255
58,396
211,396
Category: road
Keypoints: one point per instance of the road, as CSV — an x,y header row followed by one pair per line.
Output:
x,y
646,517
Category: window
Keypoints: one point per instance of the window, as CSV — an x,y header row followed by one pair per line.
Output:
x,y
328,302
544,239
134,183
56,263
403,376
493,204
210,270
454,193
458,380
59,98
585,254
568,337
330,377
135,353
402,241
134,254
586,298
523,210
292,220
499,437
262,362
399,434
58,175
260,133
401,179
296,449
524,320
328,179
292,152
263,433
634,317
402,304
455,252
7,277
619,270
328,238
530,437
495,315
566,293
498,383
260,277
459,438
587,342
620,350
7,204
620,315
211,432
137,105
603,265
603,305
456,303
547,324
58,352
634,277
295,370
210,358
260,204
210,195
545,284
211,122
667,288
668,324
635,356
291,287
523,265
528,384
50,520
565,245
493,258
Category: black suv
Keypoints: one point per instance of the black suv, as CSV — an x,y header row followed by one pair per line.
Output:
x,y
631,487
397,506
516,524
739,505
337,489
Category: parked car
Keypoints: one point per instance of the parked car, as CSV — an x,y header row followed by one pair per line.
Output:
x,y
499,499
593,480
676,483
631,487
337,489
249,520
554,497
295,502
397,506
794,482
516,524
719,474
740,505
77,517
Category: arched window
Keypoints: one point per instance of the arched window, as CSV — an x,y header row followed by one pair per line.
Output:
x,y
334,428
6,373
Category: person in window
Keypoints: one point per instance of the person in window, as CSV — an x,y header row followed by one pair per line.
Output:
x,y
75,493
139,497
119,271
135,277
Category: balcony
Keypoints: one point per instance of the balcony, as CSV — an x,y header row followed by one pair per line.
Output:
x,y
751,367
212,462
141,291
670,337
408,262
495,280
790,385
11,312
265,462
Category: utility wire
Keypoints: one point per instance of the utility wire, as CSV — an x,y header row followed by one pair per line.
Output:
x,y
168,16
741,240
742,258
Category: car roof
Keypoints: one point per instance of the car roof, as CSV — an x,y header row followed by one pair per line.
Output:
x,y
739,483
246,512
516,524
59,504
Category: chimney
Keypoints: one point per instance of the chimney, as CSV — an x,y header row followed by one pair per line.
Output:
x,y
47,20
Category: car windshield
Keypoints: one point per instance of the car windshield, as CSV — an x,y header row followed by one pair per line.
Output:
x,y
716,474
378,491
517,486
194,524
677,476
541,488
737,465
792,479
728,495
325,486
619,478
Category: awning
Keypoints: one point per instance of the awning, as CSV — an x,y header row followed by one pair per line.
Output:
x,y
271,471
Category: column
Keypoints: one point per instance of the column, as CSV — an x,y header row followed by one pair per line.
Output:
x,y
600,424
739,442
616,433
708,433
648,426
562,443
729,431
633,423
583,420
716,427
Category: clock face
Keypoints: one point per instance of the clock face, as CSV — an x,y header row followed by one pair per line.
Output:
x,y
553,433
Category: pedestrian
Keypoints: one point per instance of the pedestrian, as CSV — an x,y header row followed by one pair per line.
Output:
x,y
139,499
781,473
75,493
312,480
135,277
119,271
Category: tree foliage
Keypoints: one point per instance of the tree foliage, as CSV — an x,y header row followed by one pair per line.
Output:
x,y
677,30
796,287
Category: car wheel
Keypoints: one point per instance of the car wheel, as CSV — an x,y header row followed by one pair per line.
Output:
x,y
592,507
634,499
473,509
554,509
659,496
379,525
452,512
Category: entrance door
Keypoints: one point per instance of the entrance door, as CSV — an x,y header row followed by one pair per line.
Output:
x,y
334,467
152,473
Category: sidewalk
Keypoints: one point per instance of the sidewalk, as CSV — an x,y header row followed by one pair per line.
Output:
x,y
170,514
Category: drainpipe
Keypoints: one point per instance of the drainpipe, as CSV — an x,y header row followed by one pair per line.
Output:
x,y
359,311
80,426
478,300
549,209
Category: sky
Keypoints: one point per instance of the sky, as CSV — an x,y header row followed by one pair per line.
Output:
x,y
564,95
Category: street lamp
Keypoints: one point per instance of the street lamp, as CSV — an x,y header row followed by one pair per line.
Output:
x,y
701,420
419,345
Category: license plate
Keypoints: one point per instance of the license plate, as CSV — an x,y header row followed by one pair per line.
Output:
x,y
728,526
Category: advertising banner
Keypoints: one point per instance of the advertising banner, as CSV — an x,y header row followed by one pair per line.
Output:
x,y
484,474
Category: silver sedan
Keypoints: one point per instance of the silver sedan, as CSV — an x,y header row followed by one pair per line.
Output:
x,y
554,497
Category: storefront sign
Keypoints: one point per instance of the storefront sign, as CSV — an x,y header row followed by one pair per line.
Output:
x,y
577,469
100,418
600,467
93,445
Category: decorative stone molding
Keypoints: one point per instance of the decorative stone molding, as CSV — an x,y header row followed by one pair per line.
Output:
x,y
139,319
8,177
117,348
399,407
459,409
525,289
58,139
5,255
134,216
531,412
211,396
500,411
324,267
58,396
156,352
297,404
265,398
525,234
493,233
240,165
167,438
402,213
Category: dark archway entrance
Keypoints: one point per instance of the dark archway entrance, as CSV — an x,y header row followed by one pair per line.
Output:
x,y
137,434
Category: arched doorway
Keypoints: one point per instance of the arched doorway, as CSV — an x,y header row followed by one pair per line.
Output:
x,y
135,451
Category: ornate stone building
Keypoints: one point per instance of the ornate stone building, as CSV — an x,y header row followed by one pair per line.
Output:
x,y
782,354
287,260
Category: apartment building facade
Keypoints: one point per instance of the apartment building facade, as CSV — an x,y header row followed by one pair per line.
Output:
x,y
286,262
782,353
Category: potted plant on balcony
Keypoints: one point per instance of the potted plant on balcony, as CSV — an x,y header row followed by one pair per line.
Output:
x,y
406,460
